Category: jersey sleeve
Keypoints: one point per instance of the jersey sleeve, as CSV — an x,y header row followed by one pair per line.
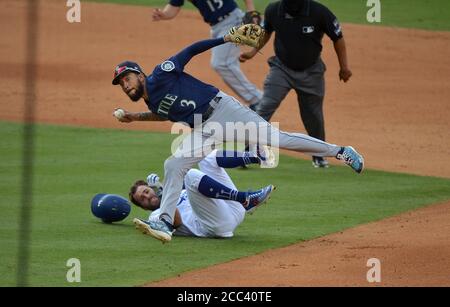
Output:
x,y
176,2
180,60
170,65
331,25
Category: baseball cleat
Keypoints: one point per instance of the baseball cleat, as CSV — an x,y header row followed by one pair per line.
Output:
x,y
266,156
158,230
352,158
253,106
256,199
320,162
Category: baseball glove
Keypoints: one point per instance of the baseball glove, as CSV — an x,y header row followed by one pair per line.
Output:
x,y
248,34
252,17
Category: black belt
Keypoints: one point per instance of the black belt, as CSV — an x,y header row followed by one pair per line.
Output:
x,y
210,109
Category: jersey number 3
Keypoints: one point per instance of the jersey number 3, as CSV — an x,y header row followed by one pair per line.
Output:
x,y
219,4
187,103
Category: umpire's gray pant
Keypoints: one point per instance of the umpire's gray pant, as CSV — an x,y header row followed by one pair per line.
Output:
x,y
206,137
309,85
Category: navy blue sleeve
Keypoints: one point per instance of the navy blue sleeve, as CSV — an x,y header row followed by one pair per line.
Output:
x,y
176,2
185,55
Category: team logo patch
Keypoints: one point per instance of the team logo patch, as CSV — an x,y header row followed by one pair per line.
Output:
x,y
337,27
168,66
308,29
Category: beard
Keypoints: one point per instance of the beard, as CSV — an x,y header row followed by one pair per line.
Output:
x,y
137,94
154,203
293,7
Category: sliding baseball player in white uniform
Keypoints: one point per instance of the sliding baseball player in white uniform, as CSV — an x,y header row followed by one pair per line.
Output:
x,y
210,205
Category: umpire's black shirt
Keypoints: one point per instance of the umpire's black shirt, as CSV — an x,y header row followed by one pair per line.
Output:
x,y
298,38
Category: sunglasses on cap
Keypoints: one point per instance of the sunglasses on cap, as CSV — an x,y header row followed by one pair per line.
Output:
x,y
123,68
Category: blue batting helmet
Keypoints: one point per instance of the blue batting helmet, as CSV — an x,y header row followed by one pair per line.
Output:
x,y
110,207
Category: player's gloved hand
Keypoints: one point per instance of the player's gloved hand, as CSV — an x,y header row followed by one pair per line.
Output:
x,y
248,34
252,17
153,181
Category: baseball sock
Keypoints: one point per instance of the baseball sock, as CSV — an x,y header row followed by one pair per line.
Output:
x,y
214,189
232,159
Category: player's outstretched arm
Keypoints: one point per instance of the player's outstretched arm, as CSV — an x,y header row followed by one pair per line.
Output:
x,y
168,12
185,55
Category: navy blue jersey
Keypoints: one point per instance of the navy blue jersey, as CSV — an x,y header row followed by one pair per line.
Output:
x,y
213,11
176,95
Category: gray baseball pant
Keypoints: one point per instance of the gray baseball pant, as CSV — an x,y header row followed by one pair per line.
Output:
x,y
228,112
225,60
309,85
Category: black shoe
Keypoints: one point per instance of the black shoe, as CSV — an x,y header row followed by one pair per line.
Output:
x,y
319,162
254,106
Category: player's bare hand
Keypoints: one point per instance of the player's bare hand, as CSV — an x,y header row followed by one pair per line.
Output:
x,y
247,55
157,15
123,115
345,74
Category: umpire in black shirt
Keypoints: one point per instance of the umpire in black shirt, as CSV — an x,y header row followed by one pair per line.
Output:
x,y
299,26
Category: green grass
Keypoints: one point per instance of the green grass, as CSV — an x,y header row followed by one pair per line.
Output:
x,y
423,14
72,164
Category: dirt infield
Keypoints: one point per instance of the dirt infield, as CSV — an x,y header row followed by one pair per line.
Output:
x,y
394,110
412,248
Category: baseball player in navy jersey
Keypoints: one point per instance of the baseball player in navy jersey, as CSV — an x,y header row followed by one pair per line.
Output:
x,y
221,15
210,205
172,94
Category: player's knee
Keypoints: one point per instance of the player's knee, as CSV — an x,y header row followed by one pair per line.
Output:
x,y
173,166
192,178
210,161
169,164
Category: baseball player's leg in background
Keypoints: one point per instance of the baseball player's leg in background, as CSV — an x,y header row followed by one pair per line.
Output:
x,y
225,60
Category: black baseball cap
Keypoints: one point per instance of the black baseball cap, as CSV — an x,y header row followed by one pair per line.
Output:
x,y
124,67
